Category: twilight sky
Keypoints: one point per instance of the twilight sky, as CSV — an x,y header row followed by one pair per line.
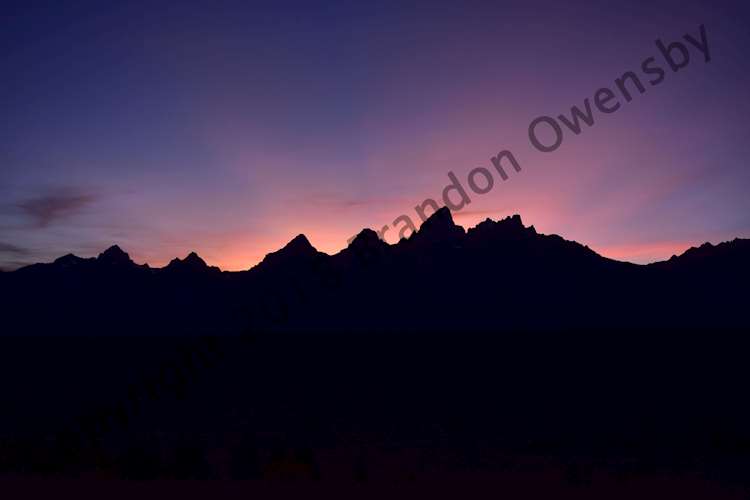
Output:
x,y
228,127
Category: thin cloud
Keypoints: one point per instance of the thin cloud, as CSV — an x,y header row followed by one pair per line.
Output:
x,y
55,206
13,249
12,256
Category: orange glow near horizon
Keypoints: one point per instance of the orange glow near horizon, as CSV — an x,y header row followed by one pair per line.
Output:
x,y
239,254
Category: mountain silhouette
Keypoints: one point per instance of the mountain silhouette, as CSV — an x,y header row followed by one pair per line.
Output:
x,y
190,264
296,252
115,256
489,346
438,228
437,279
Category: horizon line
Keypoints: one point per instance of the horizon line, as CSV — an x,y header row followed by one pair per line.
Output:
x,y
663,244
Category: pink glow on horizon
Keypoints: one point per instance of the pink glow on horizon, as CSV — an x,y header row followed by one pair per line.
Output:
x,y
643,253
244,253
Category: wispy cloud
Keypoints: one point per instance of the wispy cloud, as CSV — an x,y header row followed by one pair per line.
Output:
x,y
13,256
9,248
56,205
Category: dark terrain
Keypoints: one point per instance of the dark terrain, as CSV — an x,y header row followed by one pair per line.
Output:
x,y
496,354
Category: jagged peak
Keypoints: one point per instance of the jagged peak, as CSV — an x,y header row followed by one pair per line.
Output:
x,y
514,220
69,260
67,257
192,261
441,217
508,227
299,244
114,255
366,238
367,242
699,249
439,226
298,247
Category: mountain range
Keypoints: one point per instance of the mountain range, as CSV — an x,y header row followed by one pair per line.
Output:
x,y
495,352
497,276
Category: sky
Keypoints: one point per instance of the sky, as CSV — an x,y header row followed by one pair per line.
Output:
x,y
229,127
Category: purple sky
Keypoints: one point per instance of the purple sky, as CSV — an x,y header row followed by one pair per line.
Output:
x,y
229,127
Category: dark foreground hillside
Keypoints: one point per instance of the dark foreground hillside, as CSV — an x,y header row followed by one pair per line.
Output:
x,y
579,411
